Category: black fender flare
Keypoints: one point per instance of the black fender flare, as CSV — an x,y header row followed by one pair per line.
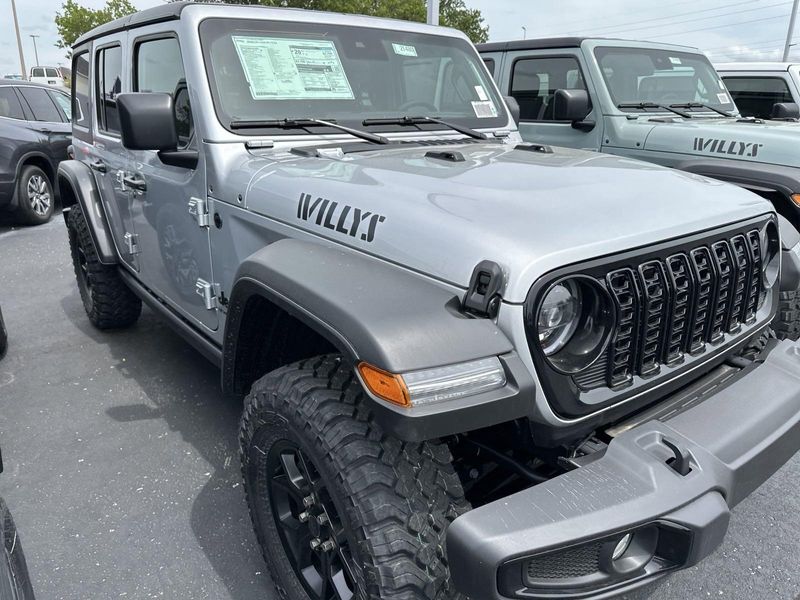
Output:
x,y
76,183
390,317
790,256
21,159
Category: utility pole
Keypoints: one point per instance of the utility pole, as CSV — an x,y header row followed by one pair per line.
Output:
x,y
433,12
35,51
19,41
790,33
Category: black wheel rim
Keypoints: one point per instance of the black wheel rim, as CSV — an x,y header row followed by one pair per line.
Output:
x,y
84,281
308,524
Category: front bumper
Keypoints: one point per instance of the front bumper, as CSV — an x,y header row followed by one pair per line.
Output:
x,y
733,441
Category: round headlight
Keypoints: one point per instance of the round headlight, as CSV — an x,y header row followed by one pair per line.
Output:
x,y
573,323
558,316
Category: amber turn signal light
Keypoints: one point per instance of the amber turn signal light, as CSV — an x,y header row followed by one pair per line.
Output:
x,y
385,385
796,199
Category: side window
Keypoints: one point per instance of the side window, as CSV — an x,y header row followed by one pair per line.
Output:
x,y
158,67
754,96
41,104
62,101
534,82
9,104
489,62
37,72
52,72
80,90
108,85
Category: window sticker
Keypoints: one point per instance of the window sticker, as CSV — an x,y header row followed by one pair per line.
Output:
x,y
404,50
481,93
292,69
484,110
723,98
675,60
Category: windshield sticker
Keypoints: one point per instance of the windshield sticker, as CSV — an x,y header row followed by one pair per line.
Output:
x,y
342,218
292,69
675,60
404,50
484,110
734,148
481,93
723,98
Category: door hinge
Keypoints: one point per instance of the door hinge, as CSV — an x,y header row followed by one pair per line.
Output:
x,y
198,208
132,243
209,292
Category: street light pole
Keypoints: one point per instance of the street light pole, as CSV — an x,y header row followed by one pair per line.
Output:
x,y
35,51
524,32
433,12
19,41
790,33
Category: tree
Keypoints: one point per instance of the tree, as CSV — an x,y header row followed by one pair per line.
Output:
x,y
452,13
74,20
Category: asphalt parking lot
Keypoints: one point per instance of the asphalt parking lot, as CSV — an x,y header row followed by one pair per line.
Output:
x,y
123,476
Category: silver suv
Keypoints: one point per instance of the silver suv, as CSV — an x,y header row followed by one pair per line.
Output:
x,y
469,365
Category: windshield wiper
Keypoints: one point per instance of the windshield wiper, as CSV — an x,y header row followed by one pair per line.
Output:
x,y
702,105
306,123
645,105
422,120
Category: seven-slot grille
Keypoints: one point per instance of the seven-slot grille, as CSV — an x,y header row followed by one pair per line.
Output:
x,y
674,306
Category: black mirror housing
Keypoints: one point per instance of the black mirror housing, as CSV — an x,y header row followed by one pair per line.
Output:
x,y
571,105
147,121
785,110
513,108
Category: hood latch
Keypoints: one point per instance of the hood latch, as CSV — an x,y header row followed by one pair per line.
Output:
x,y
483,295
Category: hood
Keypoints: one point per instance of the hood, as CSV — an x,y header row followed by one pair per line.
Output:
x,y
530,212
772,142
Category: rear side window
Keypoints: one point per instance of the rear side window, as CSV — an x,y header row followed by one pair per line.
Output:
x,y
489,62
62,101
159,68
108,85
41,104
37,72
80,90
754,96
9,104
534,82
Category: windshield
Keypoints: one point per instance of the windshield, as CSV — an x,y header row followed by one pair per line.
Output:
x,y
635,75
267,70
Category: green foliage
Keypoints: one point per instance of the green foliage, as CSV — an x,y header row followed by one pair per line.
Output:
x,y
74,20
452,13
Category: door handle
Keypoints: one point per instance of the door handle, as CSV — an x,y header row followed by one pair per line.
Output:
x,y
135,182
98,165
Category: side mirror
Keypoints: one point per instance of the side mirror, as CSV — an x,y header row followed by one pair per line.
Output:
x,y
785,111
573,106
146,121
513,108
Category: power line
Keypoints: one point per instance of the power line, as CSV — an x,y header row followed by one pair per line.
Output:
x,y
720,26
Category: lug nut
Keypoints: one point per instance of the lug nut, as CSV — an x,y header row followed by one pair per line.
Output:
x,y
303,517
327,546
315,544
322,519
308,501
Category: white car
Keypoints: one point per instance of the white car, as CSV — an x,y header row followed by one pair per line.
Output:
x,y
757,86
47,76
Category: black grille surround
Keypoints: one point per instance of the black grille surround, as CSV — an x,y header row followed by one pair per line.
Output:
x,y
677,305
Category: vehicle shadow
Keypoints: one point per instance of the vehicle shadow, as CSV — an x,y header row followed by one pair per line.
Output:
x,y
180,387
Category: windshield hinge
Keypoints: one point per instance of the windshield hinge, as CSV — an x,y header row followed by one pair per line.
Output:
x,y
483,295
198,208
209,292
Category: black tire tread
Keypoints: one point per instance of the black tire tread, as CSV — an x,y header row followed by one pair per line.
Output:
x,y
16,557
402,496
113,305
787,321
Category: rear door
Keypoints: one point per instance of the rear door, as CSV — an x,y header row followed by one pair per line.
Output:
x,y
176,255
107,157
532,78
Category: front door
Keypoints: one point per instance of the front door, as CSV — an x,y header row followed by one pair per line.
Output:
x,y
106,156
533,78
175,251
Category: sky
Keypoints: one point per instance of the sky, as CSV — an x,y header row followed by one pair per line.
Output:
x,y
727,30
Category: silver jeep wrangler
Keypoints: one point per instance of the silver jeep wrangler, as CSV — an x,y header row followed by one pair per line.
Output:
x,y
470,365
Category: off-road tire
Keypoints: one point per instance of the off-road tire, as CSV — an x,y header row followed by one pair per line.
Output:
x,y
787,322
14,571
108,301
395,499
3,336
28,213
